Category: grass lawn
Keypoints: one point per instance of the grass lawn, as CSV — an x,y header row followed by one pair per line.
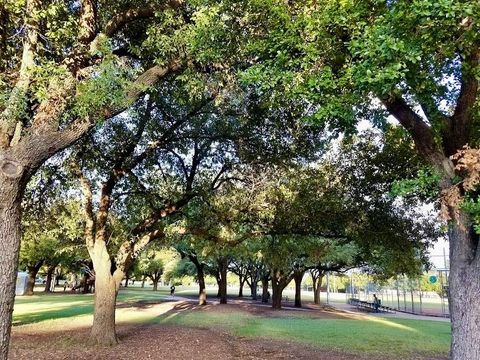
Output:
x,y
362,334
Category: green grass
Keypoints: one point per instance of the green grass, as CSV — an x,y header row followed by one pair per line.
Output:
x,y
370,335
374,336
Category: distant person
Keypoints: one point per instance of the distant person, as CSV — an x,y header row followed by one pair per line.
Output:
x,y
268,296
376,302
172,290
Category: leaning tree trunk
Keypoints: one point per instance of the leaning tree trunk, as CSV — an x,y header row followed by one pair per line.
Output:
x,y
298,288
11,193
48,282
464,290
106,289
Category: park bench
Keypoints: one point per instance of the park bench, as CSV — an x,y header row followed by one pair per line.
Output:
x,y
369,306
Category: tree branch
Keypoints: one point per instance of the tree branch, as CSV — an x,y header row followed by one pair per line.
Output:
x,y
125,17
88,21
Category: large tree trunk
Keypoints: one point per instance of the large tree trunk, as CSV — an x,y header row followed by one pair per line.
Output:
x,y
317,288
253,290
10,216
32,275
464,290
48,282
279,282
298,277
265,290
277,291
222,279
155,284
106,289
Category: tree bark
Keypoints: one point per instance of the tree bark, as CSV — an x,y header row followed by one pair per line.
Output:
x,y
464,290
106,289
48,282
222,279
264,290
202,293
11,193
253,290
143,282
298,277
155,284
277,291
32,275
317,288
240,289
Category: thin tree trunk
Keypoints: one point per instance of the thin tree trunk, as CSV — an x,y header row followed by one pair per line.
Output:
x,y
143,281
240,289
10,218
464,290
126,280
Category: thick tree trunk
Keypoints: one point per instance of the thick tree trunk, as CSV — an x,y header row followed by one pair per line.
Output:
x,y
202,293
277,291
265,290
48,281
222,283
464,290
86,285
317,288
32,275
106,288
155,285
10,216
298,288
253,290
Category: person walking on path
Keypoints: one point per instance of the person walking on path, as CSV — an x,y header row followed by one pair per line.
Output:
x,y
172,291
